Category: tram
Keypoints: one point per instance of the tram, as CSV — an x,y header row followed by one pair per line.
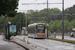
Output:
x,y
36,30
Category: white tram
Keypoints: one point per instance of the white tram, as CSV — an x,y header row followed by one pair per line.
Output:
x,y
36,30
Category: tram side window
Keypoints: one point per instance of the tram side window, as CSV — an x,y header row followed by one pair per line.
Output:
x,y
31,30
28,30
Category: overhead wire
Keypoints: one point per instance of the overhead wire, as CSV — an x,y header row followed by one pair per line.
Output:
x,y
38,5
31,2
34,1
55,2
27,6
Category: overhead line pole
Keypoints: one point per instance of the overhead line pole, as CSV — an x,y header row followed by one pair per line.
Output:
x,y
20,23
62,19
47,18
4,27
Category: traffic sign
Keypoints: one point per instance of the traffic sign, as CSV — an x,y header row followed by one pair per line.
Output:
x,y
24,29
9,22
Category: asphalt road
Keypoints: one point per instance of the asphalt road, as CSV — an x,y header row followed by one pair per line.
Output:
x,y
46,44
9,45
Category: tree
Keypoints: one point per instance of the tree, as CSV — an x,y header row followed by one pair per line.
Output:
x,y
32,22
7,7
19,20
51,12
70,10
70,26
51,26
30,13
55,25
66,25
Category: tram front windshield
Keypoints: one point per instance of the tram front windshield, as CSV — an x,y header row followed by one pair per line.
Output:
x,y
41,29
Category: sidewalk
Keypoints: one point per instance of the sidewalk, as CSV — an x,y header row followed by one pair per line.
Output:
x,y
23,44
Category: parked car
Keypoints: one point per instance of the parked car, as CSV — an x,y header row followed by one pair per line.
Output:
x,y
72,34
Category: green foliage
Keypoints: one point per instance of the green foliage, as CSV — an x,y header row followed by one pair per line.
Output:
x,y
19,20
32,22
7,7
66,25
70,10
43,13
55,25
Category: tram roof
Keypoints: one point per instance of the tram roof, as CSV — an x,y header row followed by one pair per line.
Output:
x,y
35,24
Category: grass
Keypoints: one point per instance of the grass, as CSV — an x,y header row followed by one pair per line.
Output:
x,y
28,42
63,40
5,38
24,39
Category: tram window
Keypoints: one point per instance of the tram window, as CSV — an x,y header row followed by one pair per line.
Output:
x,y
41,30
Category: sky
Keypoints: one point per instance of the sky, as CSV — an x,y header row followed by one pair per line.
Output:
x,y
24,8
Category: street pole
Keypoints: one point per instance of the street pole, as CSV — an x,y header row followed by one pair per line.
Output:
x,y
26,22
55,27
73,20
4,25
47,18
62,19
23,22
20,23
